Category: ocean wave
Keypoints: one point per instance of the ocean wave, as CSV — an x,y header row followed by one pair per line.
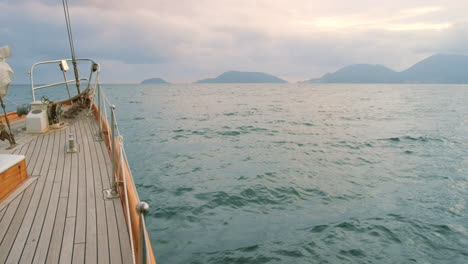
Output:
x,y
353,145
256,177
257,195
182,190
246,130
411,138
237,256
170,212
289,253
229,133
246,113
283,142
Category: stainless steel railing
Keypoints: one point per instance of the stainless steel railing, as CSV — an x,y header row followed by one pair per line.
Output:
x,y
121,173
94,67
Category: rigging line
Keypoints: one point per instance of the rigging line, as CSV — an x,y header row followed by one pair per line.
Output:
x,y
70,41
67,21
72,44
9,100
106,99
72,47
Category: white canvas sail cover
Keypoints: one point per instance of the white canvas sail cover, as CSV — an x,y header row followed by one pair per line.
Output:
x,y
5,70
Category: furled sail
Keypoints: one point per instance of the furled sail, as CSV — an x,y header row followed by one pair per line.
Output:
x,y
5,70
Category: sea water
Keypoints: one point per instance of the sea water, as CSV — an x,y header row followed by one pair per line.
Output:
x,y
300,173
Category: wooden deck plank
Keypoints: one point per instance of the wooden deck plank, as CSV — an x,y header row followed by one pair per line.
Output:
x,y
101,221
28,220
105,167
36,161
124,238
112,226
25,143
17,150
112,230
7,243
79,253
91,229
66,252
29,151
30,162
65,218
74,171
55,246
80,226
123,235
4,203
2,212
41,159
24,147
8,216
49,168
104,161
8,200
65,188
49,222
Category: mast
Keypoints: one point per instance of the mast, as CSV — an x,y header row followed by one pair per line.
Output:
x,y
72,47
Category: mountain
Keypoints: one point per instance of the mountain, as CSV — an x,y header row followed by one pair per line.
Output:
x,y
243,77
154,81
360,73
439,68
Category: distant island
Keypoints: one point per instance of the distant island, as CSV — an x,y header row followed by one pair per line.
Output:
x,y
243,77
439,68
154,81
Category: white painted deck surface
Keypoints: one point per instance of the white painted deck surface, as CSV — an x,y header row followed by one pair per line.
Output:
x,y
9,160
60,215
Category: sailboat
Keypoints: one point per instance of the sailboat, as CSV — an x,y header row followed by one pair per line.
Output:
x,y
67,193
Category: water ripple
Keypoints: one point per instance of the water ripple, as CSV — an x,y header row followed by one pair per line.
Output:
x,y
300,173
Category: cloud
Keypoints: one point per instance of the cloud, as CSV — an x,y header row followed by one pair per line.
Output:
x,y
188,40
422,10
418,26
454,40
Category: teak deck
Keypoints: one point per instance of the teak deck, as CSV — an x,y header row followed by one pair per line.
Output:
x,y
59,215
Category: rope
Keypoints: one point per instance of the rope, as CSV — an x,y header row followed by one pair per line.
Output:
x,y
107,119
124,154
106,101
117,126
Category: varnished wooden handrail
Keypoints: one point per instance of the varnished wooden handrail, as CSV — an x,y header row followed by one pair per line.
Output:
x,y
12,116
124,174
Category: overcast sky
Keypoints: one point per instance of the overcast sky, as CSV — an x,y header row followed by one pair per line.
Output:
x,y
183,41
